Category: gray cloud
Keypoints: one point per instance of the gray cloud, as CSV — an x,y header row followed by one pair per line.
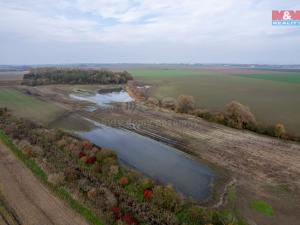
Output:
x,y
63,31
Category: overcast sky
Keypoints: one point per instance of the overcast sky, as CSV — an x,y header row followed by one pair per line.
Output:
x,y
146,31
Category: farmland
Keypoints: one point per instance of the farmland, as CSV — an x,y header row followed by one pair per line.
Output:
x,y
261,172
11,77
265,92
28,106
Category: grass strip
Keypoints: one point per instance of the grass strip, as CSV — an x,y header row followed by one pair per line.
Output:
x,y
262,207
59,191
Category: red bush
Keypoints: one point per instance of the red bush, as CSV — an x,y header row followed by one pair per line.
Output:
x,y
91,160
117,212
81,154
129,219
147,194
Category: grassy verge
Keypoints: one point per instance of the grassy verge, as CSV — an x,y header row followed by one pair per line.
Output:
x,y
59,191
262,207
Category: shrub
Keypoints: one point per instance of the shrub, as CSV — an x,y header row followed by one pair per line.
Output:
x,y
81,154
124,181
94,150
74,147
105,153
71,174
153,101
114,170
193,215
147,194
84,159
166,198
169,103
147,184
107,163
110,161
28,152
238,115
129,219
169,218
116,211
23,144
86,145
120,222
279,130
91,160
92,194
62,143
56,179
217,117
96,168
185,104
36,150
199,112
108,197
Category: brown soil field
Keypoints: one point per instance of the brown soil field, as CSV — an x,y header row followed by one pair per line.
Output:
x,y
29,202
265,168
11,78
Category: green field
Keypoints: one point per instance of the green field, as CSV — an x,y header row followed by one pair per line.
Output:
x,y
29,107
163,73
293,78
272,96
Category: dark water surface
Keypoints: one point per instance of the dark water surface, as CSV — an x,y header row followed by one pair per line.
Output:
x,y
156,160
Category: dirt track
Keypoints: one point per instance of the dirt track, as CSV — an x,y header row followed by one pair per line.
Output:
x,y
29,201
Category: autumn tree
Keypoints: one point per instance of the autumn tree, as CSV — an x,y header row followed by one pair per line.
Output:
x,y
239,116
185,104
279,130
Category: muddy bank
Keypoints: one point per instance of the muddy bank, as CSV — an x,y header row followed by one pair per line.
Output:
x,y
109,90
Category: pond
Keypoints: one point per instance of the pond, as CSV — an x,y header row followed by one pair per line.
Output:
x,y
102,98
159,161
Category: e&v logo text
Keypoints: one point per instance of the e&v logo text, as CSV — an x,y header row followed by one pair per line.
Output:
x,y
286,17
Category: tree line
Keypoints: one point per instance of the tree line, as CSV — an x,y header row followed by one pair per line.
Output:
x,y
45,76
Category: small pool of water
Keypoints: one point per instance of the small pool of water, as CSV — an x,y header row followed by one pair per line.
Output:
x,y
156,160
103,99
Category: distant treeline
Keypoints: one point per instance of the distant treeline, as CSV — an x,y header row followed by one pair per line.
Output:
x,y
44,76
